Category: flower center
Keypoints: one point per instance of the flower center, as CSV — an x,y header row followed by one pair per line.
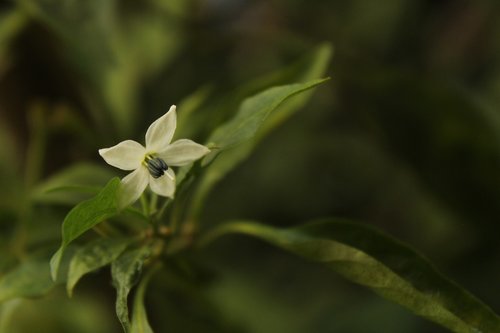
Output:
x,y
156,166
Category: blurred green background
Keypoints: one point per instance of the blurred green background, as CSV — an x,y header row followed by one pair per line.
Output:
x,y
405,137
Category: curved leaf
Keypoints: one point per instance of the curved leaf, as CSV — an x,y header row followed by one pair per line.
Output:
x,y
85,216
140,322
253,112
368,257
125,272
93,256
221,107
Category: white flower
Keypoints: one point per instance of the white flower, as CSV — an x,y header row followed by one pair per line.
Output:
x,y
152,164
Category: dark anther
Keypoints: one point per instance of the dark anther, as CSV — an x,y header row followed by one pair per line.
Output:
x,y
157,167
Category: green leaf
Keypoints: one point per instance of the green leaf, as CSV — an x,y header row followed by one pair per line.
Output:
x,y
390,268
253,112
85,216
30,279
310,68
140,322
222,107
126,271
89,213
93,256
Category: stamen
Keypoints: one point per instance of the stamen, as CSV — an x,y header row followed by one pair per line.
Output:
x,y
156,166
169,176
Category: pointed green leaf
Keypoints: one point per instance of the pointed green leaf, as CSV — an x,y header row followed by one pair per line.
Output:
x,y
220,108
93,256
85,216
126,271
310,68
254,111
89,213
395,271
140,322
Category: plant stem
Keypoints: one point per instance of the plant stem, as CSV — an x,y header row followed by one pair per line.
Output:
x,y
144,204
153,203
163,208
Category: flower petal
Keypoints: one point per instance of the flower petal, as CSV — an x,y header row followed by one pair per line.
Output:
x,y
127,155
132,187
164,185
161,131
183,152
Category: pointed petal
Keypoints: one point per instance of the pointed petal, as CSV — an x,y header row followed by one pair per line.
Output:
x,y
127,155
165,185
161,131
132,187
183,152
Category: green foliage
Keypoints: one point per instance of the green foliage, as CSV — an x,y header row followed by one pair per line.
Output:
x,y
265,117
140,322
370,258
252,114
284,102
84,216
93,256
30,279
89,213
56,313
126,271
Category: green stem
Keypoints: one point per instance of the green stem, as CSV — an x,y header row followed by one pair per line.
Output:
x,y
175,216
153,203
163,208
144,204
106,230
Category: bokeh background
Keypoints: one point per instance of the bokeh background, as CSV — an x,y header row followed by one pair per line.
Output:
x,y
405,137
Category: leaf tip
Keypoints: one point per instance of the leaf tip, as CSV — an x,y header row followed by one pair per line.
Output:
x,y
55,262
